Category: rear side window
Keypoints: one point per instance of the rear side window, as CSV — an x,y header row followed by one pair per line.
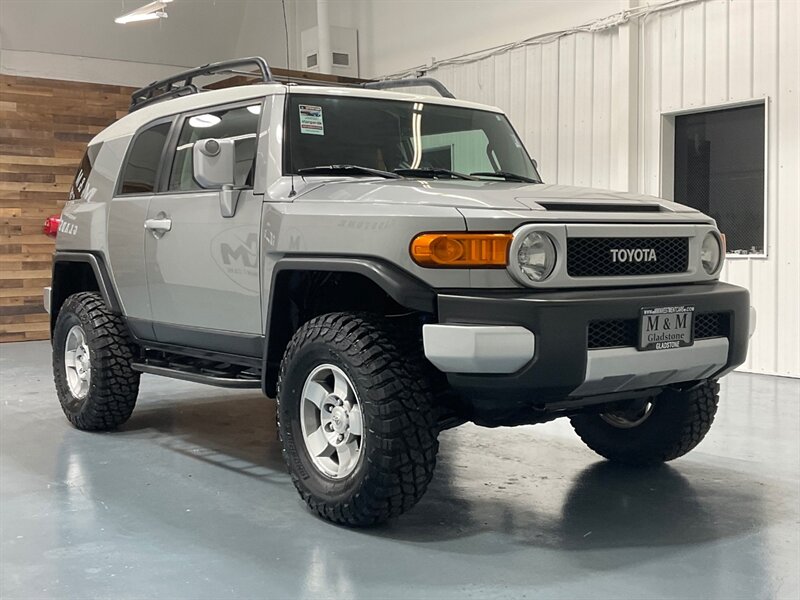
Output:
x,y
140,170
238,124
81,177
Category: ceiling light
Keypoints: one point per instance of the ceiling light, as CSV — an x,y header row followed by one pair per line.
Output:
x,y
203,121
148,12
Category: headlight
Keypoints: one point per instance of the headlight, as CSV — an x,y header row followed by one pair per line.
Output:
x,y
536,256
711,253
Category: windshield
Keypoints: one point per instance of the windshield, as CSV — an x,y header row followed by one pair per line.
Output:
x,y
389,134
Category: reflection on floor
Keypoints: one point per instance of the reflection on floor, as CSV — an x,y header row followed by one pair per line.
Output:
x,y
190,500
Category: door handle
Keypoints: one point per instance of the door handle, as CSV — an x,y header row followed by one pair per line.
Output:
x,y
158,227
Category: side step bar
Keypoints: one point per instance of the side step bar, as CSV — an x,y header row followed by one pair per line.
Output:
x,y
198,377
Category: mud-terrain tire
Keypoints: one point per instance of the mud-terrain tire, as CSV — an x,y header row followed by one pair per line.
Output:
x,y
105,398
676,423
396,450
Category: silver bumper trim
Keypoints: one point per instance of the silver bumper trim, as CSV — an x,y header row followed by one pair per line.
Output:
x,y
46,296
478,348
621,369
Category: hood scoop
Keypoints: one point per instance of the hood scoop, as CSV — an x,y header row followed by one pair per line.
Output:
x,y
638,207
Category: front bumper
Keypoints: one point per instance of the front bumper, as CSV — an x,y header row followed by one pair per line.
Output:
x,y
561,366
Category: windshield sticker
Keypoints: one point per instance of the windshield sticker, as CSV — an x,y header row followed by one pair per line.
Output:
x,y
311,120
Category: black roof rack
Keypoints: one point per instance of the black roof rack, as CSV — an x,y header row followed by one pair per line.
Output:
x,y
182,84
410,82
164,89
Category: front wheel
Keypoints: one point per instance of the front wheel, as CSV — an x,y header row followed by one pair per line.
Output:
x,y
356,420
652,430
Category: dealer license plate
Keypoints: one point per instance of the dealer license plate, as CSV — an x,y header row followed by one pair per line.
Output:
x,y
666,327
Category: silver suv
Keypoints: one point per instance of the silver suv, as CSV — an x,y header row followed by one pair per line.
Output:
x,y
386,265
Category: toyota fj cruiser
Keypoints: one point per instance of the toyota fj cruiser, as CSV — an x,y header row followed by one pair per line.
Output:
x,y
386,265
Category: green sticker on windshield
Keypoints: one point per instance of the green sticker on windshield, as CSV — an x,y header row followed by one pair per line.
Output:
x,y
311,120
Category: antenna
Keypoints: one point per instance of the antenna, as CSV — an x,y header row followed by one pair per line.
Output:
x,y
286,104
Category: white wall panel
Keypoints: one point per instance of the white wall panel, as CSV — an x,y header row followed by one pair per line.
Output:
x,y
566,109
599,152
785,215
550,137
693,67
583,115
650,104
593,109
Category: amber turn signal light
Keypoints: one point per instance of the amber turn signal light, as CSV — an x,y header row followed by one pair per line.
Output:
x,y
476,250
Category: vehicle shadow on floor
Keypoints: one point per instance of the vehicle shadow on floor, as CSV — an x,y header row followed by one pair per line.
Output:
x,y
233,432
605,506
599,506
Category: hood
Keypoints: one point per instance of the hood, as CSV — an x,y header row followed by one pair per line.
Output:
x,y
495,195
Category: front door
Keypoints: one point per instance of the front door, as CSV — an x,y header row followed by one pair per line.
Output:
x,y
202,268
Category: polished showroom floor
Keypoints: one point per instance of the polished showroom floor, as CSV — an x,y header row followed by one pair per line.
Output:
x,y
190,500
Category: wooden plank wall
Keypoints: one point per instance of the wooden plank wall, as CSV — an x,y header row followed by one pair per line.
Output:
x,y
45,125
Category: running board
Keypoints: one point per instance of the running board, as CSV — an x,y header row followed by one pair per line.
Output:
x,y
196,377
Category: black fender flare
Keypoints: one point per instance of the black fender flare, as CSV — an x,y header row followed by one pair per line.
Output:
x,y
101,275
403,287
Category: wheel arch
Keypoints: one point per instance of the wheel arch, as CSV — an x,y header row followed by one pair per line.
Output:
x,y
75,272
368,280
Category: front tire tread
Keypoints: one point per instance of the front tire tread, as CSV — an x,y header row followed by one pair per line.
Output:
x,y
402,464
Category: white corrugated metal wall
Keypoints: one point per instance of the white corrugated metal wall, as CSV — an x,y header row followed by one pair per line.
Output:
x,y
592,107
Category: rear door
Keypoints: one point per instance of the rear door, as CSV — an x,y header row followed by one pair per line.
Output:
x,y
202,268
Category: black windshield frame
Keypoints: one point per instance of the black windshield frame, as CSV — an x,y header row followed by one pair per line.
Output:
x,y
299,151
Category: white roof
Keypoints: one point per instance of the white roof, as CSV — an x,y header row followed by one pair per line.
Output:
x,y
129,124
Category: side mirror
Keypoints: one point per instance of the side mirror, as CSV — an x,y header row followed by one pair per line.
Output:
x,y
213,163
535,163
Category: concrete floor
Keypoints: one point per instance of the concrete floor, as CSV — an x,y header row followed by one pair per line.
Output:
x,y
190,500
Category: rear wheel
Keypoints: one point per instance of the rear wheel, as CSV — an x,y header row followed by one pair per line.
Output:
x,y
92,357
356,421
651,430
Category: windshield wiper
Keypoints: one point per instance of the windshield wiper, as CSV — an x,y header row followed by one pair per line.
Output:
x,y
507,175
433,173
350,170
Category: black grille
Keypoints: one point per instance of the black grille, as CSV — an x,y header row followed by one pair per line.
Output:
x,y
611,334
710,325
594,257
617,333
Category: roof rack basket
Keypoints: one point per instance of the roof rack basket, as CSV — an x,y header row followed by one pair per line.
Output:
x,y
183,84
388,84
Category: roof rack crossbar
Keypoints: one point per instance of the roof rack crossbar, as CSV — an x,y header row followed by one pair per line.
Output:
x,y
410,82
163,89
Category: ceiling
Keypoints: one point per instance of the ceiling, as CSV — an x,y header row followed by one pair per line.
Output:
x,y
197,31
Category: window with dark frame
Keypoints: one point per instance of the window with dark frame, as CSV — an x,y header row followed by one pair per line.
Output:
x,y
141,167
719,170
81,177
239,124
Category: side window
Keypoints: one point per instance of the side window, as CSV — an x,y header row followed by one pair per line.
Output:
x,y
81,177
238,124
139,172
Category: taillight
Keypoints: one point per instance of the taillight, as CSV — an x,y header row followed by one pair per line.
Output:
x,y
51,225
